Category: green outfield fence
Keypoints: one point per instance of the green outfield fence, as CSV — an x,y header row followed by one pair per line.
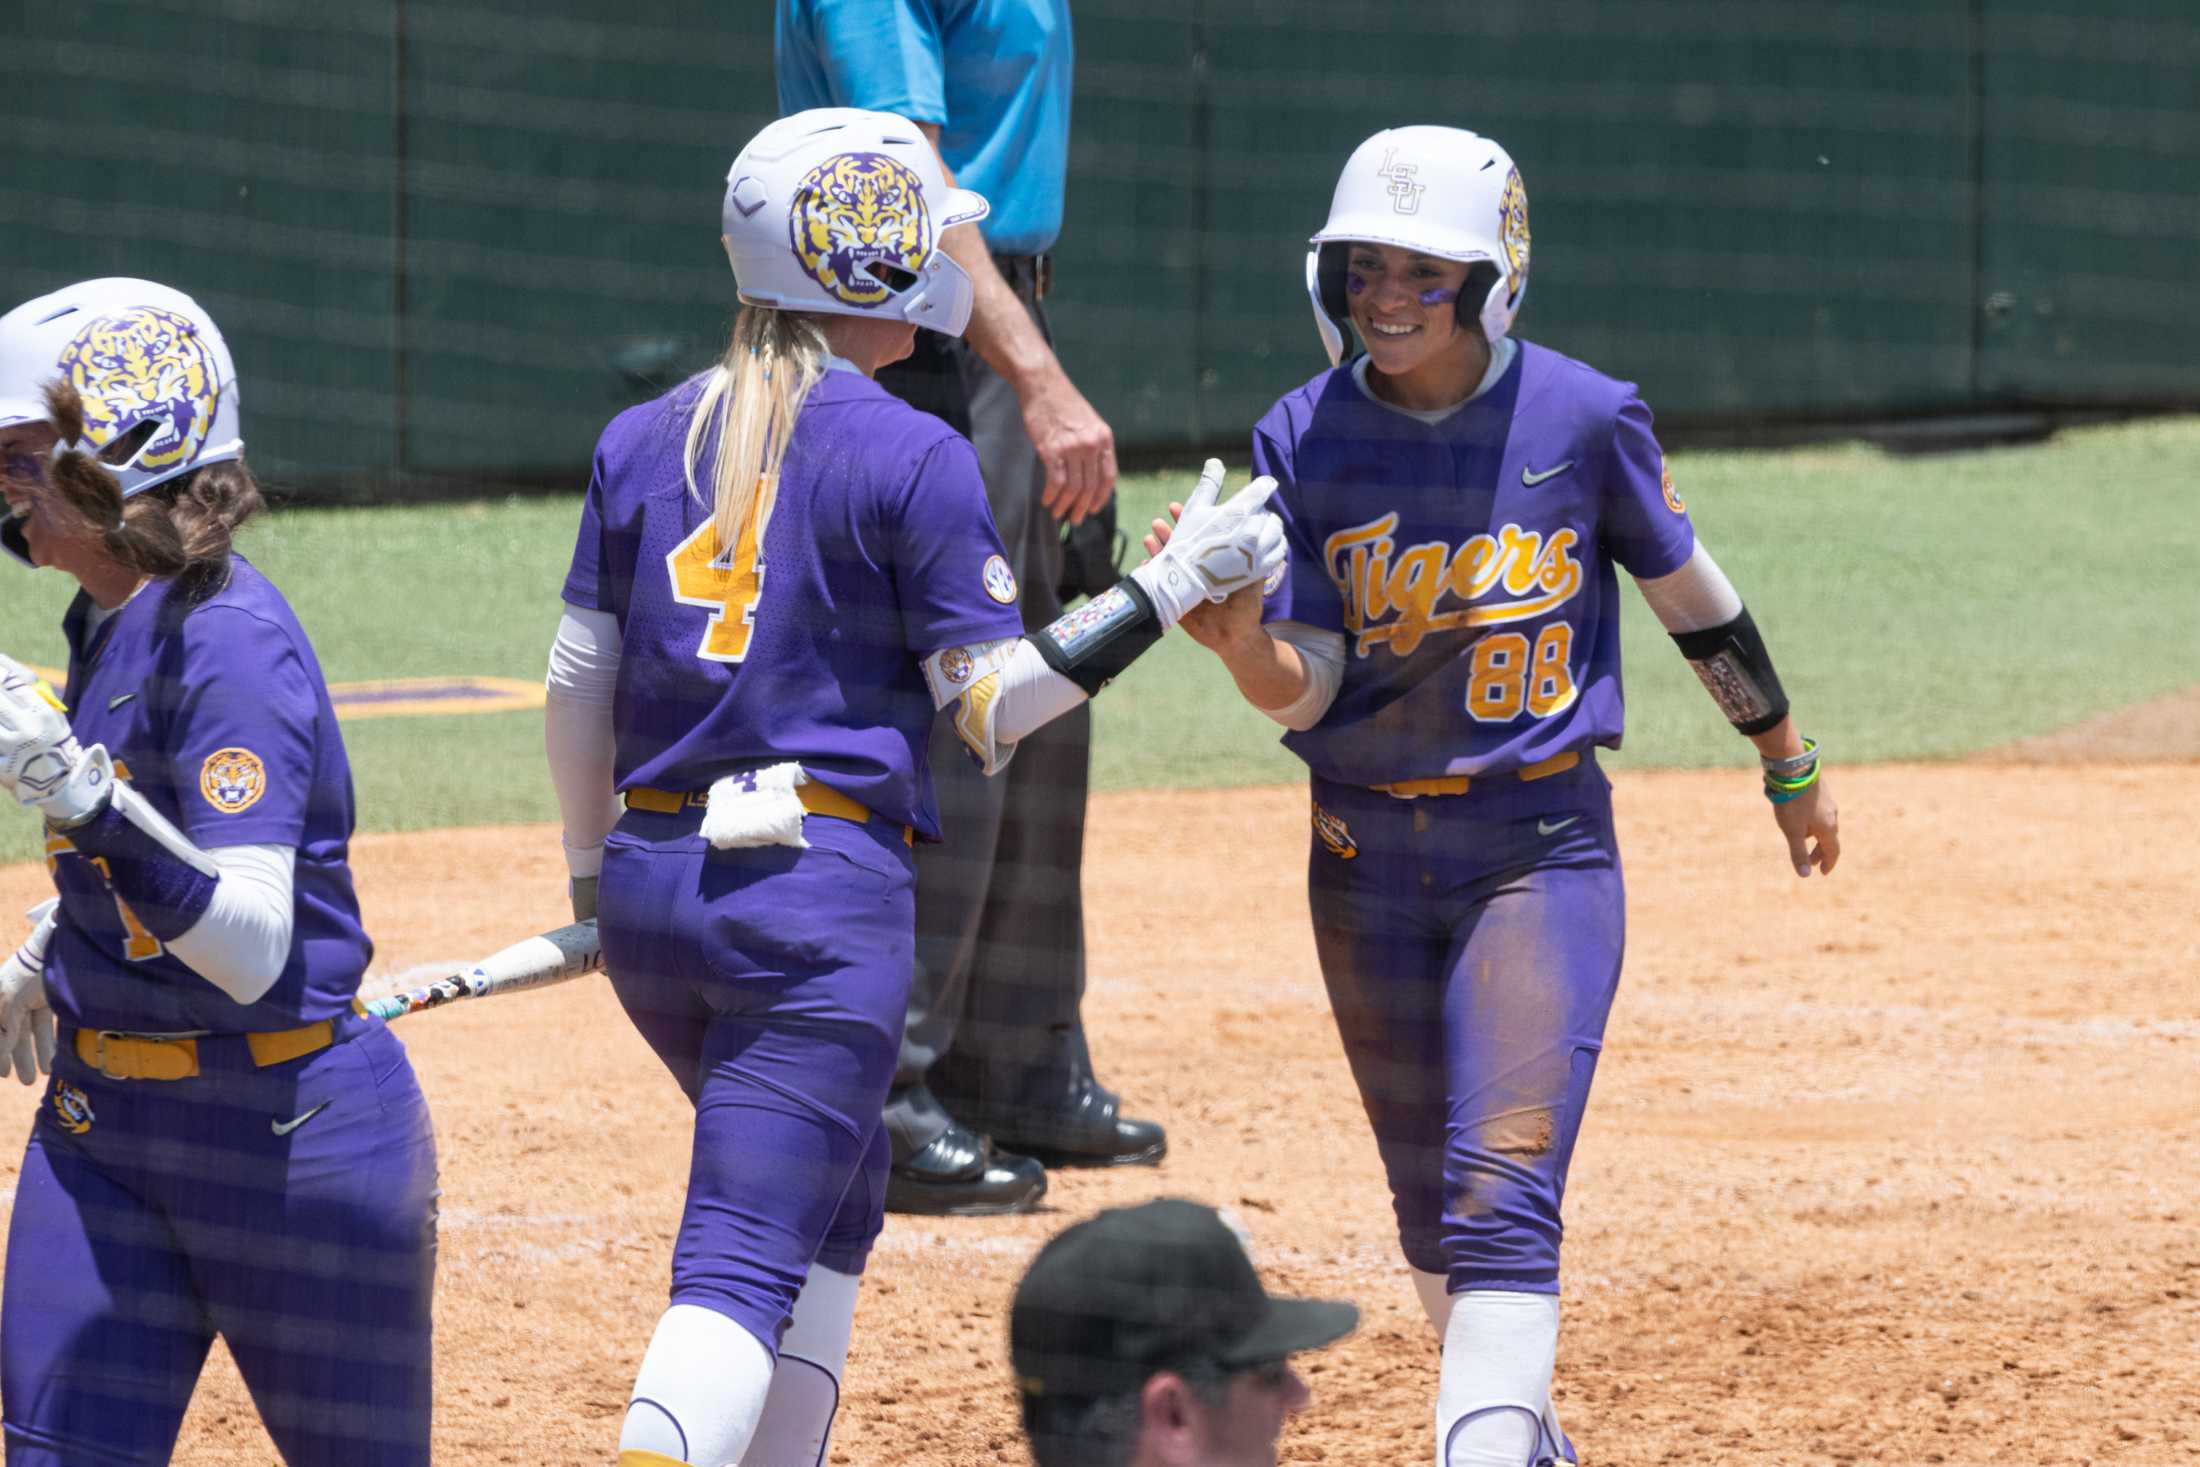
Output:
x,y
448,240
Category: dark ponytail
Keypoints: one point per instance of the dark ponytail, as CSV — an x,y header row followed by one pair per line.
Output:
x,y
180,530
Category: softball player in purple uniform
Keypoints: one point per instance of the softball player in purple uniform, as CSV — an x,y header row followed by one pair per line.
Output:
x,y
225,1147
1444,649
782,572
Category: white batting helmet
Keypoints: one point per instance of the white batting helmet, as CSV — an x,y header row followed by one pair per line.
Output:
x,y
159,390
1442,191
841,210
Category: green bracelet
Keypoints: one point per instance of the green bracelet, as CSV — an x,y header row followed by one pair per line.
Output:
x,y
1783,797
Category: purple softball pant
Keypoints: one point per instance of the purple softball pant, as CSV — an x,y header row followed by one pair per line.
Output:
x,y
1471,947
153,1215
772,982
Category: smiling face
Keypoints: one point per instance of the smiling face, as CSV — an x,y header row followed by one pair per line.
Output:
x,y
1404,305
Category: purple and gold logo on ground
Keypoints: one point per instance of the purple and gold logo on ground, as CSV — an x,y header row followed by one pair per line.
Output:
x,y
72,1109
232,780
1512,233
144,364
1672,495
1000,581
1334,835
855,212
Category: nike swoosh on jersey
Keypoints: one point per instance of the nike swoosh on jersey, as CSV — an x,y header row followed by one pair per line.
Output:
x,y
1531,479
1553,827
118,700
284,1128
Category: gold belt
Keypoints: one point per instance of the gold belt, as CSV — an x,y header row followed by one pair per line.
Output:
x,y
1459,784
816,798
122,1056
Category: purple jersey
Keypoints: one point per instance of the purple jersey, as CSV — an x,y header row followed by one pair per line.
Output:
x,y
803,641
220,715
1468,563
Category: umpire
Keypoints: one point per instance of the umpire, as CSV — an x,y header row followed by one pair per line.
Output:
x,y
1142,1337
994,1046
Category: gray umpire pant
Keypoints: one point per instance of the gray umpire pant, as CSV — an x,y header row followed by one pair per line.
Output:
x,y
1000,968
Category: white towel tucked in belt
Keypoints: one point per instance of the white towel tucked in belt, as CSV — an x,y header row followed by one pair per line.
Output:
x,y
756,808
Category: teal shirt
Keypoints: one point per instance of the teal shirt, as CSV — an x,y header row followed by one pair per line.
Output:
x,y
993,74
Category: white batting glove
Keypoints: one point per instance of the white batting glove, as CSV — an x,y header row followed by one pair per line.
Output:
x,y
26,1024
1216,549
40,759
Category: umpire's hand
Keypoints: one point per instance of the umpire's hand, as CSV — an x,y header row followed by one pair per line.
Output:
x,y
1076,447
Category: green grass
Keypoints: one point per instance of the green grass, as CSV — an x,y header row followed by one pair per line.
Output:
x,y
1917,608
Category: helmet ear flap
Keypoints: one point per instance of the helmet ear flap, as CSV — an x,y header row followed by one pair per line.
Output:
x,y
1329,273
1483,277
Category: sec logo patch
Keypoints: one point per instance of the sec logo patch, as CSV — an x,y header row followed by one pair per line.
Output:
x,y
72,1109
232,780
1672,495
1000,581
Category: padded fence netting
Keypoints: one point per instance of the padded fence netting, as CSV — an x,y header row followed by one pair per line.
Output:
x,y
447,241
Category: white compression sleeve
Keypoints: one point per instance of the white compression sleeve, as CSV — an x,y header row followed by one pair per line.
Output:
x,y
797,1424
241,942
1323,653
1694,598
700,1391
1493,1392
577,733
996,693
1032,694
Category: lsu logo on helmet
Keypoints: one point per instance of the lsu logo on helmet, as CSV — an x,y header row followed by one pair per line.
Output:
x,y
232,780
853,212
72,1109
1512,232
144,364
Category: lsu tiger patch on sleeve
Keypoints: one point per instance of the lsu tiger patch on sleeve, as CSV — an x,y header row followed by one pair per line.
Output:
x,y
232,780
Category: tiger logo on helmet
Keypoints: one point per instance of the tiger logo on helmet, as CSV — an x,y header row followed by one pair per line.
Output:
x,y
855,211
139,365
1512,232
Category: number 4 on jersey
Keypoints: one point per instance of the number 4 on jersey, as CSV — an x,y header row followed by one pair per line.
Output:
x,y
703,574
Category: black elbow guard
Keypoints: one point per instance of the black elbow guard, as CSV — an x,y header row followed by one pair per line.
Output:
x,y
1093,644
1737,672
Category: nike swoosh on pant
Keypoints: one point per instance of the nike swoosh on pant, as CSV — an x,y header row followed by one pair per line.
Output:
x,y
284,1128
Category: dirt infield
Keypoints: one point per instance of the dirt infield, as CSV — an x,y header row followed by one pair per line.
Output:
x,y
1893,1167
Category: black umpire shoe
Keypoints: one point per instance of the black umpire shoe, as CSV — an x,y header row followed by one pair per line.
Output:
x,y
961,1175
1088,1129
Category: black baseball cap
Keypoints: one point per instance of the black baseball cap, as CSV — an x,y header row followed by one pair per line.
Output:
x,y
1166,1285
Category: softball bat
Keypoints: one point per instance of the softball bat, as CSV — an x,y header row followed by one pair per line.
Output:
x,y
536,962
